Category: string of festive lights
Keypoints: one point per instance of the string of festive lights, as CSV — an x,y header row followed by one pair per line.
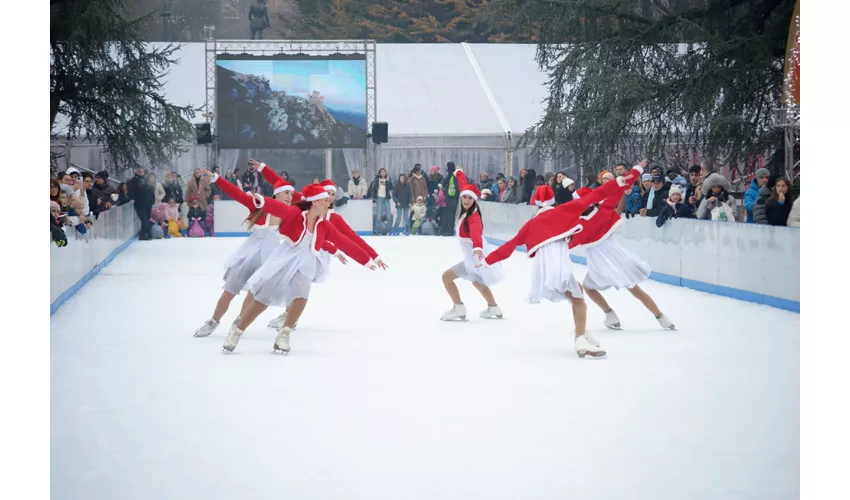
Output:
x,y
793,72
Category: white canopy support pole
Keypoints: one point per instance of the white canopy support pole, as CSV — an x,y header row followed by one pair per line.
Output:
x,y
329,154
506,128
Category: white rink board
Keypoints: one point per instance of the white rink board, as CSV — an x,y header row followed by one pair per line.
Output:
x,y
230,216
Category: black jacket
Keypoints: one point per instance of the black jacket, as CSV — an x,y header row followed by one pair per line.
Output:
x,y
373,189
141,192
562,195
777,214
403,194
657,202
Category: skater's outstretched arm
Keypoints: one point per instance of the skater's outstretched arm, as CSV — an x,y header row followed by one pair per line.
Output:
x,y
232,190
276,208
343,227
349,247
505,251
268,174
462,181
476,232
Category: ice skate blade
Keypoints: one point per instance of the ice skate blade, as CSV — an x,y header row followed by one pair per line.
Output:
x,y
227,350
449,320
277,349
593,355
615,326
492,317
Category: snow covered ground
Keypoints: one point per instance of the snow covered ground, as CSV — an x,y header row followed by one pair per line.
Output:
x,y
381,400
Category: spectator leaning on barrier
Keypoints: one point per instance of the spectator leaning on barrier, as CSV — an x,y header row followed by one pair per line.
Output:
x,y
123,193
529,184
634,200
715,195
511,192
104,195
752,194
418,183
54,190
778,205
563,187
88,184
357,187
693,183
760,206
653,200
674,208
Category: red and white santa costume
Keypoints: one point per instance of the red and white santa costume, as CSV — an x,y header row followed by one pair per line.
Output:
x,y
546,238
609,263
295,264
251,254
470,232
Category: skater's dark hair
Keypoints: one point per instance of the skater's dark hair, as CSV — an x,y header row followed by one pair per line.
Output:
x,y
253,217
472,209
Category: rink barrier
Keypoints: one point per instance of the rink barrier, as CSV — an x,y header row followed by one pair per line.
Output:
x,y
243,234
75,264
753,263
229,220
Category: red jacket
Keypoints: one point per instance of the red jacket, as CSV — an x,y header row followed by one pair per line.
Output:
x,y
242,197
605,220
561,222
476,227
293,227
336,219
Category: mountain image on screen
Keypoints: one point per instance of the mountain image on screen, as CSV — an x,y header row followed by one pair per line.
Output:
x,y
252,115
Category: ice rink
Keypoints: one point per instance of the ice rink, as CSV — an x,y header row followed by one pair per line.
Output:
x,y
380,400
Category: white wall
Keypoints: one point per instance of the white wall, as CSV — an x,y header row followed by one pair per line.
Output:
x,y
230,217
751,262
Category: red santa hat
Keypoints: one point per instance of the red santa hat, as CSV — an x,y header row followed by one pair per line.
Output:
x,y
471,190
583,191
328,185
283,185
543,196
313,192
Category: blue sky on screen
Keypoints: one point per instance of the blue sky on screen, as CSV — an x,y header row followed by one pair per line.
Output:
x,y
343,83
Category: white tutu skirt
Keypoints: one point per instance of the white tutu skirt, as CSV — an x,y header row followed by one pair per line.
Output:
x,y
489,275
286,275
610,264
552,274
245,261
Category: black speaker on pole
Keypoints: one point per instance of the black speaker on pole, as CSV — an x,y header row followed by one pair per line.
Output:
x,y
203,133
380,132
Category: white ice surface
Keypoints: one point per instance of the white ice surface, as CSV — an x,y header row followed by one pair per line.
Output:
x,y
381,400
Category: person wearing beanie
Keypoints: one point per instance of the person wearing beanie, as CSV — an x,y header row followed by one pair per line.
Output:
x,y
675,207
609,263
452,192
270,176
470,232
563,187
752,194
102,193
286,276
653,199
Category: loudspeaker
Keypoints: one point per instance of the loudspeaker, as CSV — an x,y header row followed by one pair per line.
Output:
x,y
380,132
203,133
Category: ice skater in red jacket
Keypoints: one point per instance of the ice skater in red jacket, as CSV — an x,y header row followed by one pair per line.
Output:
x,y
474,248
609,263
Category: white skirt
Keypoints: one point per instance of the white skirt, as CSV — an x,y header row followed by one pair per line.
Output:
x,y
610,264
552,274
286,275
250,255
487,276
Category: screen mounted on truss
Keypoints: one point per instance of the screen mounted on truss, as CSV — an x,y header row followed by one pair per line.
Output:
x,y
291,101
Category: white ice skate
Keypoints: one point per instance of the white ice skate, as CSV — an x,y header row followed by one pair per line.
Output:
x,y
612,321
281,343
458,311
278,322
232,339
236,321
585,348
591,340
207,328
492,312
666,322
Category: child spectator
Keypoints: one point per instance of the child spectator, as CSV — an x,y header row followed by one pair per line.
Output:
x,y
674,207
418,213
634,201
196,212
171,214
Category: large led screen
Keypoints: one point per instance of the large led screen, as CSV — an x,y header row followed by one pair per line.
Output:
x,y
291,101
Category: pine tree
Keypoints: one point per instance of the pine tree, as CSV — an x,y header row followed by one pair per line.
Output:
x,y
655,78
108,83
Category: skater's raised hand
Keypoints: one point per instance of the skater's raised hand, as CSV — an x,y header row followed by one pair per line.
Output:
x,y
382,264
254,164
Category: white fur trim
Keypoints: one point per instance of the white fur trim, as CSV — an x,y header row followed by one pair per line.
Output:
x,y
543,209
378,259
639,169
283,188
546,203
370,263
259,201
215,177
261,167
575,230
319,196
469,193
330,188
474,249
604,237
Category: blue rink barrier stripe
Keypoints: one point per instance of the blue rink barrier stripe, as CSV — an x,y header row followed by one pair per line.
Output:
x,y
67,294
242,234
725,291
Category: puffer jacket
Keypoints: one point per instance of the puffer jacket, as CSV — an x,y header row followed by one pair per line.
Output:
x,y
760,208
794,216
357,191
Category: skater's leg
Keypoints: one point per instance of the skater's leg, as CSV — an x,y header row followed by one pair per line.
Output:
x,y
294,311
646,300
250,313
449,278
222,305
249,299
598,299
485,292
579,313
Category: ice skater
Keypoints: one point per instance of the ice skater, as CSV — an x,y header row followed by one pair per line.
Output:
x,y
474,248
610,264
339,223
285,278
546,237
251,254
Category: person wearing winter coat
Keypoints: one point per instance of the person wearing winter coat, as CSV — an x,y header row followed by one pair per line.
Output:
x,y
760,206
693,184
715,192
158,190
529,184
752,193
563,187
634,201
653,199
357,187
199,187
142,194
102,193
794,216
451,190
381,190
402,200
418,212
434,178
778,205
418,183
196,212
511,192
172,188
674,207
